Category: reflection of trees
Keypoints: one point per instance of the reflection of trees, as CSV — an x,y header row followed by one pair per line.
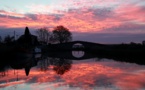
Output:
x,y
61,66
2,73
44,63
43,34
8,39
3,70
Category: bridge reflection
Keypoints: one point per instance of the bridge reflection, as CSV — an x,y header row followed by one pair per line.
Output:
x,y
71,55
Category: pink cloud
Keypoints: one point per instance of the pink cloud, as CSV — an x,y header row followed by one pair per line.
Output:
x,y
79,20
131,13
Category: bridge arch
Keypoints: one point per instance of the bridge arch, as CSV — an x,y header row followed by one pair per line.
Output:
x,y
77,50
69,46
77,46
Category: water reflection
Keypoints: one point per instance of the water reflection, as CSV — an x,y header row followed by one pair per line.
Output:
x,y
78,54
60,66
60,73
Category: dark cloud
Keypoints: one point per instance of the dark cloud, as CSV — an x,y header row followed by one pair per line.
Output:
x,y
99,13
57,16
32,16
2,10
14,17
11,17
102,13
2,16
35,16
4,13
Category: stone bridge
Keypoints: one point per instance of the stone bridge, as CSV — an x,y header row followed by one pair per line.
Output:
x,y
75,46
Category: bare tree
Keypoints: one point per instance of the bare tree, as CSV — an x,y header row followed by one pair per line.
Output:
x,y
61,34
43,34
8,39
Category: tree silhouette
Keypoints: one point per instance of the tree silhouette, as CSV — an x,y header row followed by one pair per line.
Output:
x,y
43,34
61,34
8,39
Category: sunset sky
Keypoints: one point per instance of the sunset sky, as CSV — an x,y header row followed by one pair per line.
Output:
x,y
102,21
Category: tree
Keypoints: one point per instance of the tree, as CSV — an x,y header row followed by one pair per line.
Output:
x,y
8,39
143,42
43,34
61,34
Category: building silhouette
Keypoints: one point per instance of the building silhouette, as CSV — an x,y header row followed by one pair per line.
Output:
x,y
27,39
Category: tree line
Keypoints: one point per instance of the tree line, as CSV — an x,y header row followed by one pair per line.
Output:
x,y
7,39
59,34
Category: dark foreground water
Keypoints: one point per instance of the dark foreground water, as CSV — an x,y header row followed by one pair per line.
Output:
x,y
64,74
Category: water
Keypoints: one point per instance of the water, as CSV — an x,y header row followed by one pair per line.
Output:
x,y
54,73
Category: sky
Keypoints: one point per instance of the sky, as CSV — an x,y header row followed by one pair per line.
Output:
x,y
102,21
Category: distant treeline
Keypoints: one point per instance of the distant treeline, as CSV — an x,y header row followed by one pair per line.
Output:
x,y
134,53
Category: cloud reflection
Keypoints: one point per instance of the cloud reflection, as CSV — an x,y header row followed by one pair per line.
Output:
x,y
86,75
